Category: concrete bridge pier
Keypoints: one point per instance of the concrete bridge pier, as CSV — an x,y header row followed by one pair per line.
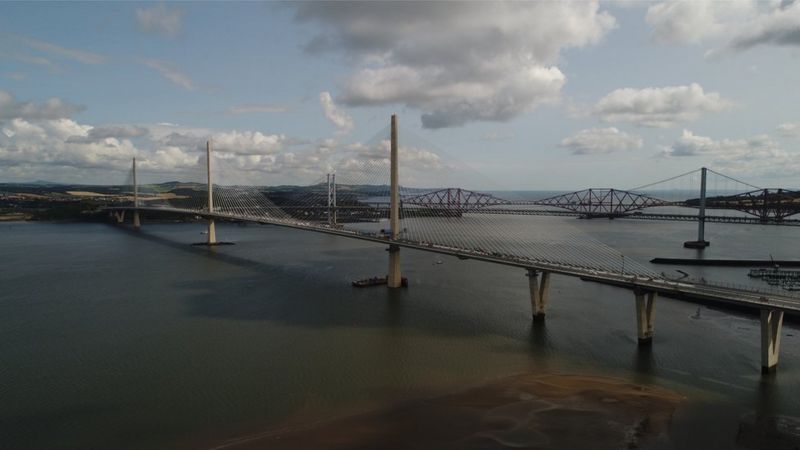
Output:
x,y
119,216
539,293
771,325
394,280
137,222
645,316
212,233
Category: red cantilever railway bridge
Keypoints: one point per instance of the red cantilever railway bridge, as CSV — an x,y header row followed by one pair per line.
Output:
x,y
767,206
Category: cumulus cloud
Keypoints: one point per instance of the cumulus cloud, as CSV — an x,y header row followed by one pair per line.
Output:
x,y
46,142
789,129
370,164
755,156
170,159
43,145
242,142
658,107
601,140
691,144
37,141
341,119
159,20
247,142
693,21
53,108
169,71
457,62
102,132
740,24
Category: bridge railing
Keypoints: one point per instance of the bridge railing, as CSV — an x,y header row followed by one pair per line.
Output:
x,y
767,290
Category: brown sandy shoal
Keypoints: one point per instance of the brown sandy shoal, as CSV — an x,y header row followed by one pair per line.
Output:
x,y
527,411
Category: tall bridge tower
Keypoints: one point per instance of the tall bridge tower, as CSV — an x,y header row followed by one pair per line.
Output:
x,y
212,230
701,241
137,223
394,279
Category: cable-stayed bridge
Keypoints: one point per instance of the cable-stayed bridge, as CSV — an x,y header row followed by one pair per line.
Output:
x,y
369,203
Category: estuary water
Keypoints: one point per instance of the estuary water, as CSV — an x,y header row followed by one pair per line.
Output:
x,y
115,339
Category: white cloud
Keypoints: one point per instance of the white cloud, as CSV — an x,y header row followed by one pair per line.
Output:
x,y
241,142
53,108
781,26
169,71
458,62
102,132
341,119
38,142
601,140
789,129
755,156
160,20
691,144
738,25
370,164
693,21
82,56
46,142
247,142
169,158
658,107
256,108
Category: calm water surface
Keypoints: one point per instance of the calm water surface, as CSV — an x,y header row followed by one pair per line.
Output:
x,y
116,339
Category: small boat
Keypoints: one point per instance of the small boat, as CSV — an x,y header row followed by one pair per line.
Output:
x,y
377,281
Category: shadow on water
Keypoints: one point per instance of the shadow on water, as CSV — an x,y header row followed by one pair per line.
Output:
x,y
643,363
308,297
198,250
539,340
299,296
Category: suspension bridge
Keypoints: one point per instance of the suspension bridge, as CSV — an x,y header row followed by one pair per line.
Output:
x,y
466,224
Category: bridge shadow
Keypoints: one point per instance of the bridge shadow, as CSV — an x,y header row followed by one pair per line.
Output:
x,y
309,296
644,362
197,250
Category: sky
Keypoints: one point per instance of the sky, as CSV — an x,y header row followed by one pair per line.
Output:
x,y
534,95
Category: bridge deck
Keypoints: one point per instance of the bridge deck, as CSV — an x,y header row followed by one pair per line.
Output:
x,y
722,294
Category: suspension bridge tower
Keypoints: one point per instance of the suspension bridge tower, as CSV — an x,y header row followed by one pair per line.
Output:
x,y
394,279
212,231
701,241
137,223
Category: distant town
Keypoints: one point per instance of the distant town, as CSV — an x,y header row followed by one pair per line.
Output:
x,y
41,200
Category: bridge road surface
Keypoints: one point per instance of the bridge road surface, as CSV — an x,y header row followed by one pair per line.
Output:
x,y
721,294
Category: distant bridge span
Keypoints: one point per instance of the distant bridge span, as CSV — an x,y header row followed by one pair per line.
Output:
x,y
722,294
595,263
766,206
771,306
